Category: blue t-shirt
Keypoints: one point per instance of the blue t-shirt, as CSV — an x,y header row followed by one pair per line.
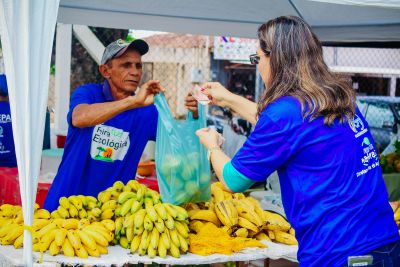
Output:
x,y
332,187
95,157
7,149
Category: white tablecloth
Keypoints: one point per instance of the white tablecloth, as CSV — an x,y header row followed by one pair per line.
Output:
x,y
9,256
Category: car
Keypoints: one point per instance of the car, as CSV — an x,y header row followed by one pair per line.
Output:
x,y
382,114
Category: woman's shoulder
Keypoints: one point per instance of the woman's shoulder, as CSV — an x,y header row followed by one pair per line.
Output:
x,y
284,108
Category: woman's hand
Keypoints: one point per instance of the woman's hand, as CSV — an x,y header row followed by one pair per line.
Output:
x,y
217,93
209,138
146,93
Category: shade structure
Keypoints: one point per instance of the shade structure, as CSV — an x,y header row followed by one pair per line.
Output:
x,y
27,30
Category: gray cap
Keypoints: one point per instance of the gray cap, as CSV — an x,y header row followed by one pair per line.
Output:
x,y
118,47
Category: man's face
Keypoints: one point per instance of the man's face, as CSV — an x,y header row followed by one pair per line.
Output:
x,y
125,71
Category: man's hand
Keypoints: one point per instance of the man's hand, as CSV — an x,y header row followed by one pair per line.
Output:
x,y
146,93
191,104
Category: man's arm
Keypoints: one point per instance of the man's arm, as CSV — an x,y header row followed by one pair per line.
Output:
x,y
87,115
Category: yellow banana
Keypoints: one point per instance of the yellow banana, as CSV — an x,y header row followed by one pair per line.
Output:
x,y
118,185
90,199
73,212
74,239
196,225
139,218
125,196
144,243
96,212
242,222
169,223
183,244
76,201
249,214
285,238
147,223
64,202
182,229
174,251
118,224
111,204
276,222
71,223
159,224
19,241
129,233
86,239
46,240
63,212
262,236
67,248
42,214
205,215
46,229
81,252
104,196
54,214
241,232
39,223
182,213
133,184
109,224
97,236
151,252
217,193
136,205
135,243
102,250
161,211
123,241
54,249
107,214
6,229
154,239
171,211
140,192
223,214
83,214
174,238
161,249
165,240
59,237
83,223
13,234
126,206
93,252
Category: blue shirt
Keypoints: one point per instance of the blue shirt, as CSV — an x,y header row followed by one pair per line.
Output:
x,y
95,157
7,149
332,187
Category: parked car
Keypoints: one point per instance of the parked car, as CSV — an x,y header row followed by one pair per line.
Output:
x,y
382,114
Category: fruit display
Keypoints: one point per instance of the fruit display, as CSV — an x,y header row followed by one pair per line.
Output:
x,y
240,216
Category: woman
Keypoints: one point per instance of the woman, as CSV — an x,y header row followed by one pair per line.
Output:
x,y
307,128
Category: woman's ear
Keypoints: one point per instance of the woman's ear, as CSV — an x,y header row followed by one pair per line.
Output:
x,y
104,71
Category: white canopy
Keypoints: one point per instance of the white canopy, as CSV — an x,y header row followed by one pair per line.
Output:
x,y
27,30
331,21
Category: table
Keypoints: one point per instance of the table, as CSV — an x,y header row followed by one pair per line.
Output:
x,y
118,256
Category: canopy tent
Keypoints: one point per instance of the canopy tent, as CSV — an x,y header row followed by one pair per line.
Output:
x,y
331,22
27,30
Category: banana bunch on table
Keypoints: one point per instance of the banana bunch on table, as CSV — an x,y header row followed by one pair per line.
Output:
x,y
240,216
147,226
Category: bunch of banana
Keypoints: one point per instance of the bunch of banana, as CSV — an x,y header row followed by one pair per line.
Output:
x,y
240,216
79,207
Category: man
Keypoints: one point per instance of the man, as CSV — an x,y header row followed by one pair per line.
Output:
x,y
7,149
109,125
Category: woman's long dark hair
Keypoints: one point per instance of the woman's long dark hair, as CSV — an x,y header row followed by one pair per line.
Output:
x,y
298,69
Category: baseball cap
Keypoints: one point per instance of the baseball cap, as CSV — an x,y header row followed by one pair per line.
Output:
x,y
118,47
3,85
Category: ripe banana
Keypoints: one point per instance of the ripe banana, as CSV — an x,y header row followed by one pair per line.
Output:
x,y
124,196
118,186
248,213
161,211
243,222
70,224
154,239
54,249
135,243
174,238
42,214
19,241
64,202
59,236
107,214
139,218
104,196
109,224
83,214
123,241
159,224
87,240
182,229
276,222
162,249
147,223
93,252
97,236
126,206
74,239
183,244
241,232
73,212
169,223
81,252
171,211
63,212
285,238
262,236
67,248
217,193
174,250
165,239
205,215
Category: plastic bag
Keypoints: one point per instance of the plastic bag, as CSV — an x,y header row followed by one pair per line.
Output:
x,y
182,167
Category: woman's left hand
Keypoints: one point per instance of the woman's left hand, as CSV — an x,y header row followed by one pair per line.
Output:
x,y
208,137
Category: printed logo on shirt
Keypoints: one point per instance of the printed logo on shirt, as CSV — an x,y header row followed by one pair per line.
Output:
x,y
109,143
370,157
357,125
5,118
